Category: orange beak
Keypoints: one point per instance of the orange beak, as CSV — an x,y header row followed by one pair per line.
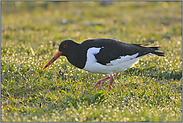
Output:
x,y
52,60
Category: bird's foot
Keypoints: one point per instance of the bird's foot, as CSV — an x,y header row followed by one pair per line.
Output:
x,y
99,82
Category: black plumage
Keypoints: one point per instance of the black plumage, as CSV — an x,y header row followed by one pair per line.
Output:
x,y
110,50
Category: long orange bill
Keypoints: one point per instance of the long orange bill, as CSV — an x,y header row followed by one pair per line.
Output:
x,y
52,60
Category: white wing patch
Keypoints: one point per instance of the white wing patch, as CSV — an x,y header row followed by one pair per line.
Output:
x,y
122,59
91,52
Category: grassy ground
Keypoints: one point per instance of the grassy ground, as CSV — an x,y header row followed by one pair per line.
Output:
x,y
31,33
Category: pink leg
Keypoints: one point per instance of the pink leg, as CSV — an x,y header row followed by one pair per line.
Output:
x,y
110,82
99,82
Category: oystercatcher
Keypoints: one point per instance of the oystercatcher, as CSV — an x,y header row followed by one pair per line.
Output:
x,y
103,56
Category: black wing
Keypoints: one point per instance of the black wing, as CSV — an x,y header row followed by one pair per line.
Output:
x,y
113,49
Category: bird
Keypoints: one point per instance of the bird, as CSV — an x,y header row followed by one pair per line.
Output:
x,y
103,55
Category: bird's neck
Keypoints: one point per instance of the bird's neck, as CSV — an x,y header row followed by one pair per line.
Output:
x,y
77,57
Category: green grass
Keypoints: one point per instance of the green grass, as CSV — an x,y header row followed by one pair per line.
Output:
x,y
31,33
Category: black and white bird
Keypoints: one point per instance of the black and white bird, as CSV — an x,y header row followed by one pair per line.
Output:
x,y
103,55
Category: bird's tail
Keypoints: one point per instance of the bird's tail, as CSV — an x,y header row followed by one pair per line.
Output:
x,y
157,53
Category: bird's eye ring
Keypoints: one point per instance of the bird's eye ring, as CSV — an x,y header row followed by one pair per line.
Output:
x,y
65,46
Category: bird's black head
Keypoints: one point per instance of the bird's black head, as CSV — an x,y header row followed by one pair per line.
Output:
x,y
67,46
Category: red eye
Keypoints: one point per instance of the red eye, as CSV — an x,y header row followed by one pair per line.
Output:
x,y
65,46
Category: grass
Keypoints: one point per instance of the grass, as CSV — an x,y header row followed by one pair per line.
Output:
x,y
31,33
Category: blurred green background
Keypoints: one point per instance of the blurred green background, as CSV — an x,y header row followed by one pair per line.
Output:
x,y
31,33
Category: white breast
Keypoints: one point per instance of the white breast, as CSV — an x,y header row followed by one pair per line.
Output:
x,y
117,65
